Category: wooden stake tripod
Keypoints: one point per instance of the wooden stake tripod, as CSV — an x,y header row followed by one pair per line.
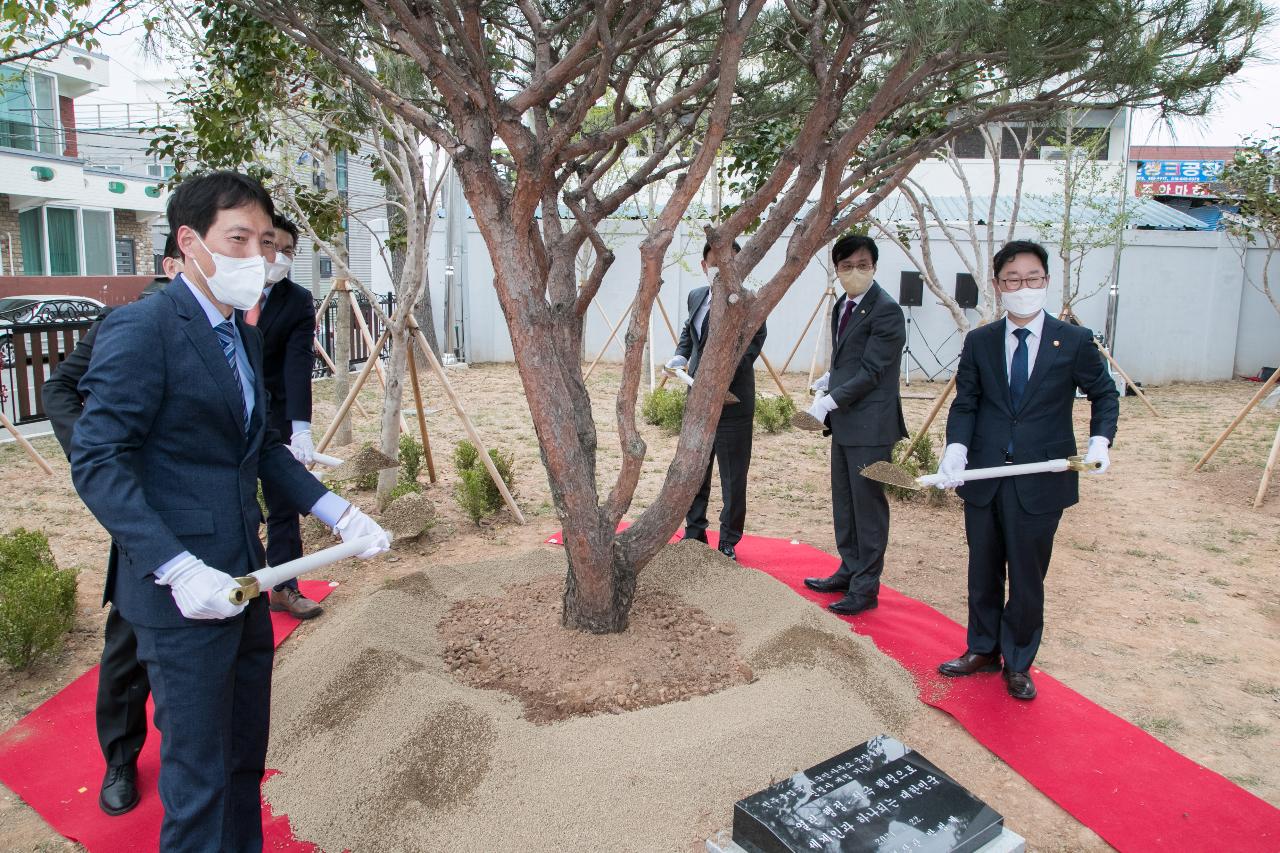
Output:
x,y
1275,446
26,445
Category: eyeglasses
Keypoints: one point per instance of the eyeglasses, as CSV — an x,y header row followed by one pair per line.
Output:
x,y
849,267
1035,282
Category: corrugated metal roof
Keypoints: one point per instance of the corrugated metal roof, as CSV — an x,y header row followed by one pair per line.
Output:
x,y
1146,212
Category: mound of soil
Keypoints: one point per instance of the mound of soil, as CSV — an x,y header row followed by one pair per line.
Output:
x,y
515,642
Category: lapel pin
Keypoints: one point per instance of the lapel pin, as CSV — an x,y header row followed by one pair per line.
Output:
x,y
1056,343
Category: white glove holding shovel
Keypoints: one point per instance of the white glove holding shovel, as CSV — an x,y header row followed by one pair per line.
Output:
x,y
200,590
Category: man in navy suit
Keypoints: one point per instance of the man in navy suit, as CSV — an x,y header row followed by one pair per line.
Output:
x,y
858,401
167,455
732,449
286,318
1015,391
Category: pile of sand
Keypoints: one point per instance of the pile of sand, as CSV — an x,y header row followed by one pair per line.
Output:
x,y
381,747
369,460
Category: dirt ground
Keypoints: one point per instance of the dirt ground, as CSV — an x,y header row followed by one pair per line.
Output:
x,y
1162,603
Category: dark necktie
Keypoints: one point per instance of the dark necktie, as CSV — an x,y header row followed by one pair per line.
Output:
x,y
844,317
1018,369
227,337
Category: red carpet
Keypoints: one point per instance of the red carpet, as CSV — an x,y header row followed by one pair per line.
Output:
x,y
1125,785
51,760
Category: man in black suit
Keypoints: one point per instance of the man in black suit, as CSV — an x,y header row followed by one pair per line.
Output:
x,y
1015,391
120,712
732,451
287,319
858,402
167,455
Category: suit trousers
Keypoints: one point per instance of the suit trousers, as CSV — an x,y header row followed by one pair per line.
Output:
x,y
212,686
284,529
121,709
1006,539
860,511
732,453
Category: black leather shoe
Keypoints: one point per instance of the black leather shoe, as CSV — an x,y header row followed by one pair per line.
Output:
x,y
701,537
1020,685
727,550
852,604
835,583
119,789
969,663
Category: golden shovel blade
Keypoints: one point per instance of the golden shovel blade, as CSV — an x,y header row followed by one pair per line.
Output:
x,y
890,474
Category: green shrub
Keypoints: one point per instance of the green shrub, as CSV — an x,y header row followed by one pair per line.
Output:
x,y
476,492
404,487
410,459
37,600
664,407
773,414
923,461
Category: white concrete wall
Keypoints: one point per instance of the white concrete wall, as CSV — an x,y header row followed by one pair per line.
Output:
x,y
1258,336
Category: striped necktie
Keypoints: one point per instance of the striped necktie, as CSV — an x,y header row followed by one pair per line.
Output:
x,y
227,337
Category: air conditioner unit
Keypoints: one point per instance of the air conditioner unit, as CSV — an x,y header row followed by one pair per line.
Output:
x,y
1052,152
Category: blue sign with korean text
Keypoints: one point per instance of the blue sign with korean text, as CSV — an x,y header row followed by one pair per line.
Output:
x,y
1181,171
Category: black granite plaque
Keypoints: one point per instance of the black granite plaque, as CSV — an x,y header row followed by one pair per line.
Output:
x,y
880,797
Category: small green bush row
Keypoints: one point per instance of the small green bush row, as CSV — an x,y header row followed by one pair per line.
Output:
x,y
477,494
37,599
664,407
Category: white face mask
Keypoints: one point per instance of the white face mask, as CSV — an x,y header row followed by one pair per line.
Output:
x,y
1026,302
855,282
237,282
279,268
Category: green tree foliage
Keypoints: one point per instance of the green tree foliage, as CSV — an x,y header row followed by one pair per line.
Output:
x,y
37,29
1253,179
37,599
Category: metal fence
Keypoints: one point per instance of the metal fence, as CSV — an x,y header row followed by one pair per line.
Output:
x,y
326,332
28,354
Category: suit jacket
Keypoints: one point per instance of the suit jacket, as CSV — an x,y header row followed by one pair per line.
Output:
x,y
288,326
160,455
60,395
865,363
985,421
691,344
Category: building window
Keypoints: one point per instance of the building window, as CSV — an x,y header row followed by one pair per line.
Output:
x,y
341,168
160,170
326,267
67,241
29,112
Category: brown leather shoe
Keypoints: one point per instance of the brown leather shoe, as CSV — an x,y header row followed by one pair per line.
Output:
x,y
969,663
1020,685
289,600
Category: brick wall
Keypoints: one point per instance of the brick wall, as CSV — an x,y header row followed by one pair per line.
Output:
x,y
9,230
127,225
67,113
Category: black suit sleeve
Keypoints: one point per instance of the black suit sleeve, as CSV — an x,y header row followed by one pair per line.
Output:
x,y
62,401
757,344
685,346
299,358
1091,377
964,408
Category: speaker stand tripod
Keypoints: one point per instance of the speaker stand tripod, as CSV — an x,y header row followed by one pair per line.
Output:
x,y
908,356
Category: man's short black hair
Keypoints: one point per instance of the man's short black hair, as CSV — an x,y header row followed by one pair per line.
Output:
x,y
1013,248
706,249
196,201
279,223
851,243
171,249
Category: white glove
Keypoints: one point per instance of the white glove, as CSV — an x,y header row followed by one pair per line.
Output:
x,y
1098,453
823,406
954,460
676,362
355,524
302,447
822,383
199,590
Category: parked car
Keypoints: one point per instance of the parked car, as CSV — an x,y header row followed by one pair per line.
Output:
x,y
41,309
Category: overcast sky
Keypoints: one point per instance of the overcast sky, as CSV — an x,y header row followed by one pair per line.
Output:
x,y
1250,104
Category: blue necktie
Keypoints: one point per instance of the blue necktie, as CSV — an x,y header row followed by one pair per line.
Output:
x,y
227,337
1018,370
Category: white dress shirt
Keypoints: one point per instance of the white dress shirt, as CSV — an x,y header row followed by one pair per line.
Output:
x,y
1036,328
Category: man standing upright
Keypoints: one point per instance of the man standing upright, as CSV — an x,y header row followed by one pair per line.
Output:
x,y
1015,391
287,319
167,455
732,452
858,402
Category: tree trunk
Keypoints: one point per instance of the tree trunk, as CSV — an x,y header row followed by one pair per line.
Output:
x,y
392,403
426,320
342,358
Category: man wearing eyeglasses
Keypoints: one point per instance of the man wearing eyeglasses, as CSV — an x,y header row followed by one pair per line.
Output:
x,y
1015,391
858,402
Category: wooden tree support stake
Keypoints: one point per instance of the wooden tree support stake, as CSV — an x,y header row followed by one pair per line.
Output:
x,y
1248,407
26,445
324,356
345,408
929,418
777,380
422,414
1269,470
1127,381
466,421
817,309
373,353
612,334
